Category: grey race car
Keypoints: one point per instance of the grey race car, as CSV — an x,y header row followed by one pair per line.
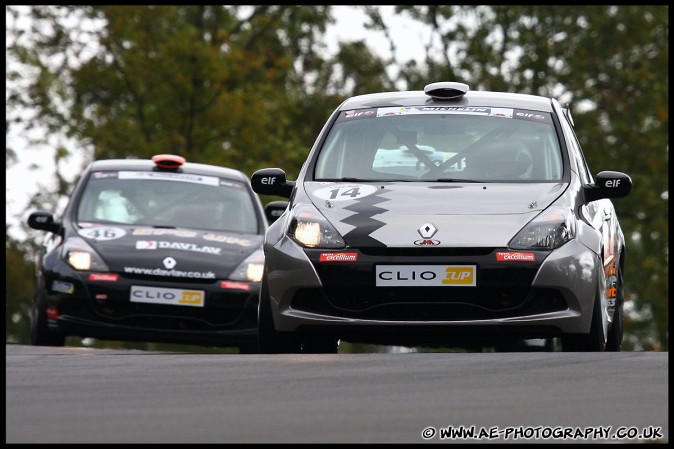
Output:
x,y
443,217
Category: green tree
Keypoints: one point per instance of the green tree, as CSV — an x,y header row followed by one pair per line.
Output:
x,y
239,86
242,86
18,275
193,80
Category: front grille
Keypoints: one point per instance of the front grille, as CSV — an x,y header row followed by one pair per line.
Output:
x,y
424,305
219,309
167,317
425,252
501,289
498,288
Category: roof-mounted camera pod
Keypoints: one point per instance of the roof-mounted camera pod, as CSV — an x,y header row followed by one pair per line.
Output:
x,y
446,90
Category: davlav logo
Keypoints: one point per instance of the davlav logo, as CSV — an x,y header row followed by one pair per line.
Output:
x,y
146,244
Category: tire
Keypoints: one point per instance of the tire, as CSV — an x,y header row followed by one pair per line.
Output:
x,y
40,335
615,334
271,341
592,342
550,345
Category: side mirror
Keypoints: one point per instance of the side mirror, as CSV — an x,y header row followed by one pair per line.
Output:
x,y
274,210
44,221
271,181
609,184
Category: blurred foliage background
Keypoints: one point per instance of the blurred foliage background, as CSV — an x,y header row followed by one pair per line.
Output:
x,y
251,87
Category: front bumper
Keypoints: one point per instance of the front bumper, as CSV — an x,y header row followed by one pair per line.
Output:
x,y
102,309
548,297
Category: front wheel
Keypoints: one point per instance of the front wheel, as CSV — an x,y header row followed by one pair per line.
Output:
x,y
40,335
271,341
615,334
592,342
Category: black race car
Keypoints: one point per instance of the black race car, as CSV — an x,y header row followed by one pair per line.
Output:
x,y
152,250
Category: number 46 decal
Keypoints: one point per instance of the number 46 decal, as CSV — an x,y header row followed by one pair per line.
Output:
x,y
345,192
102,233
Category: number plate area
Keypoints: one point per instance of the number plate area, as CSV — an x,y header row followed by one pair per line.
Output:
x,y
171,296
426,276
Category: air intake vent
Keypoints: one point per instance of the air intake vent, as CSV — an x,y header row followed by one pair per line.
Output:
x,y
446,90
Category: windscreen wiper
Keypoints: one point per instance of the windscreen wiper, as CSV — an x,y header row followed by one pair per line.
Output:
x,y
349,179
453,180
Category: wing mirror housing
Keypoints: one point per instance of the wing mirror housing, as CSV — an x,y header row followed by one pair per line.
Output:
x,y
274,210
271,181
44,221
608,184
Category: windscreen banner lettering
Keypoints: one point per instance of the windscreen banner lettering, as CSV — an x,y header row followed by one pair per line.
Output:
x,y
533,116
521,114
410,110
104,174
362,113
180,177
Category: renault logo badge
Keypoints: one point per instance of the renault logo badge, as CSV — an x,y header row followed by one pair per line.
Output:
x,y
427,230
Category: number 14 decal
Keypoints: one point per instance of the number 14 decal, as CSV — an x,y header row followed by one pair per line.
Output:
x,y
345,192
352,192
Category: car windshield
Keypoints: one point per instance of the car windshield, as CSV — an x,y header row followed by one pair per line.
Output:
x,y
168,200
441,144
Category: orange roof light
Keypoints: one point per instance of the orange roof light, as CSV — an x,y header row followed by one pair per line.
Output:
x,y
168,161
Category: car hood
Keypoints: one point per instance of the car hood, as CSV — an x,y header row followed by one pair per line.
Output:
x,y
463,215
127,249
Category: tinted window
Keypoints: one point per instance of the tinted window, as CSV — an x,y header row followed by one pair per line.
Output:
x,y
426,143
168,199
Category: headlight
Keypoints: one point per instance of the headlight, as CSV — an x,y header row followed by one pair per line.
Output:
x,y
250,270
549,230
82,257
311,229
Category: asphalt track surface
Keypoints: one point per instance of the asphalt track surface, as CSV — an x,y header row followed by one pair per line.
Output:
x,y
84,395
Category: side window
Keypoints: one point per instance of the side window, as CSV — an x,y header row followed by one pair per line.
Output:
x,y
582,163
331,164
576,152
348,152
